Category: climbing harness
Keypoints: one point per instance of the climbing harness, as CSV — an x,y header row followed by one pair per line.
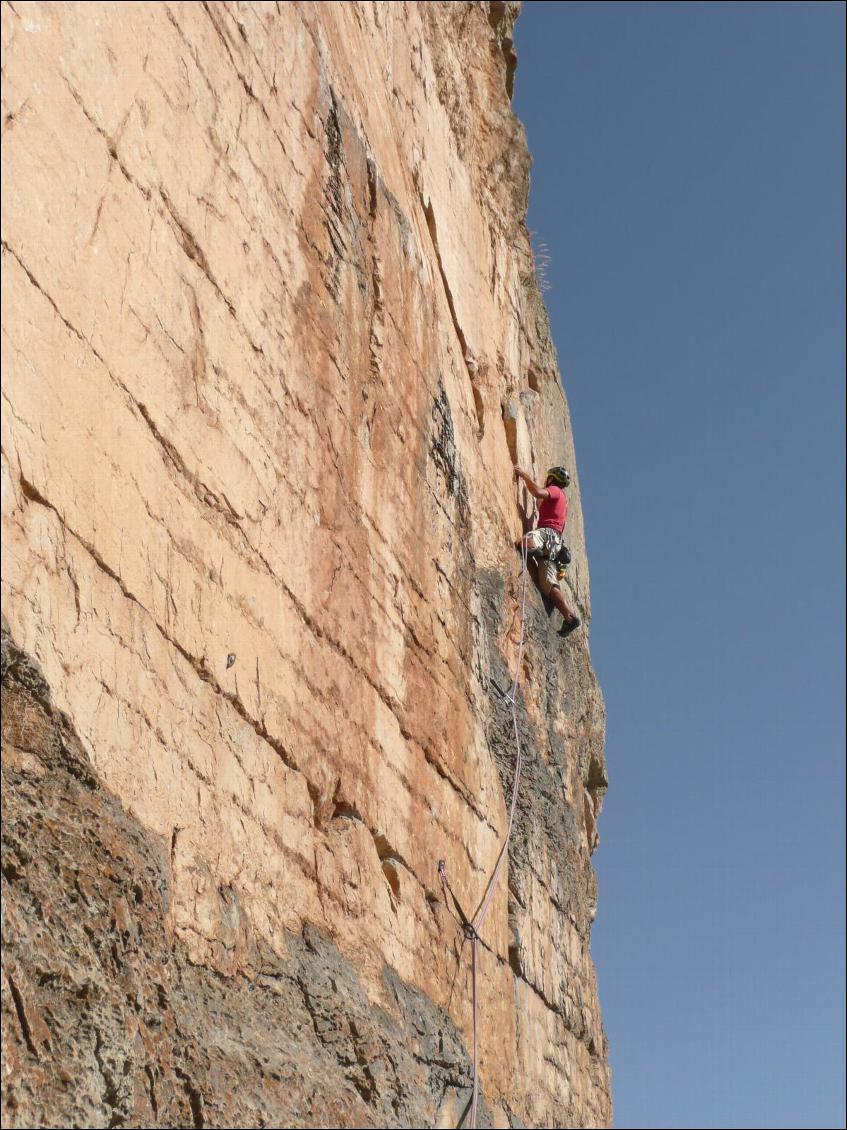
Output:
x,y
563,557
472,926
549,543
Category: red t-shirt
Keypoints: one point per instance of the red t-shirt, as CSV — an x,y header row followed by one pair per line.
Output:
x,y
553,510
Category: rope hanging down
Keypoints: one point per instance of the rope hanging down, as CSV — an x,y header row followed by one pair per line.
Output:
x,y
472,926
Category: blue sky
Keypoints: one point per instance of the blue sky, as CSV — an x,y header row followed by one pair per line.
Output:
x,y
688,181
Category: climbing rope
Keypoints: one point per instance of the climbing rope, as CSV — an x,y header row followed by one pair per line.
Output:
x,y
472,926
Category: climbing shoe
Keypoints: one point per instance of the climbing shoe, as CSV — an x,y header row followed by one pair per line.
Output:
x,y
569,626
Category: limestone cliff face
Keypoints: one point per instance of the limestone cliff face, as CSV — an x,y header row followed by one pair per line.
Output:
x,y
272,340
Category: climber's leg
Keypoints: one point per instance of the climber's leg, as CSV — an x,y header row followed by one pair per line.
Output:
x,y
548,580
570,621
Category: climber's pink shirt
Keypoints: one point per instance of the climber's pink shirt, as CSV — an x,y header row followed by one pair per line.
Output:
x,y
553,510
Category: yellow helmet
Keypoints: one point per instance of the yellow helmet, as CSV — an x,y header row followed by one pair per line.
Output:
x,y
559,476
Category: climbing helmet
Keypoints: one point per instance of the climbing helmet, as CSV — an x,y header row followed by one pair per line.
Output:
x,y
559,476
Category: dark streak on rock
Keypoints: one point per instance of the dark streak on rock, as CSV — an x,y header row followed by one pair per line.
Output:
x,y
146,1037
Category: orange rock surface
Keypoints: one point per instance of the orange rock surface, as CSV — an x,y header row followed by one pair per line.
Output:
x,y
272,342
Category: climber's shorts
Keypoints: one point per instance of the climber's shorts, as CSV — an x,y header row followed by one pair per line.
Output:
x,y
544,544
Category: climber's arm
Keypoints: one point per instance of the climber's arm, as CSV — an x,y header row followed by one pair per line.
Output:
x,y
534,489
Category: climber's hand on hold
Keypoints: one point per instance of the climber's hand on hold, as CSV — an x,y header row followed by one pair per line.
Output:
x,y
534,489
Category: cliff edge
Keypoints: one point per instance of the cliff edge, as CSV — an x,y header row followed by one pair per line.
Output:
x,y
272,340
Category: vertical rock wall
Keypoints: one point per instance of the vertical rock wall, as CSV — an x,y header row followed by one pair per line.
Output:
x,y
272,340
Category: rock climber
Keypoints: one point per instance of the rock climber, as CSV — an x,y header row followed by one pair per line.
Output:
x,y
545,541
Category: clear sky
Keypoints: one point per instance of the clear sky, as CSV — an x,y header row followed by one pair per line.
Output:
x,y
688,181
